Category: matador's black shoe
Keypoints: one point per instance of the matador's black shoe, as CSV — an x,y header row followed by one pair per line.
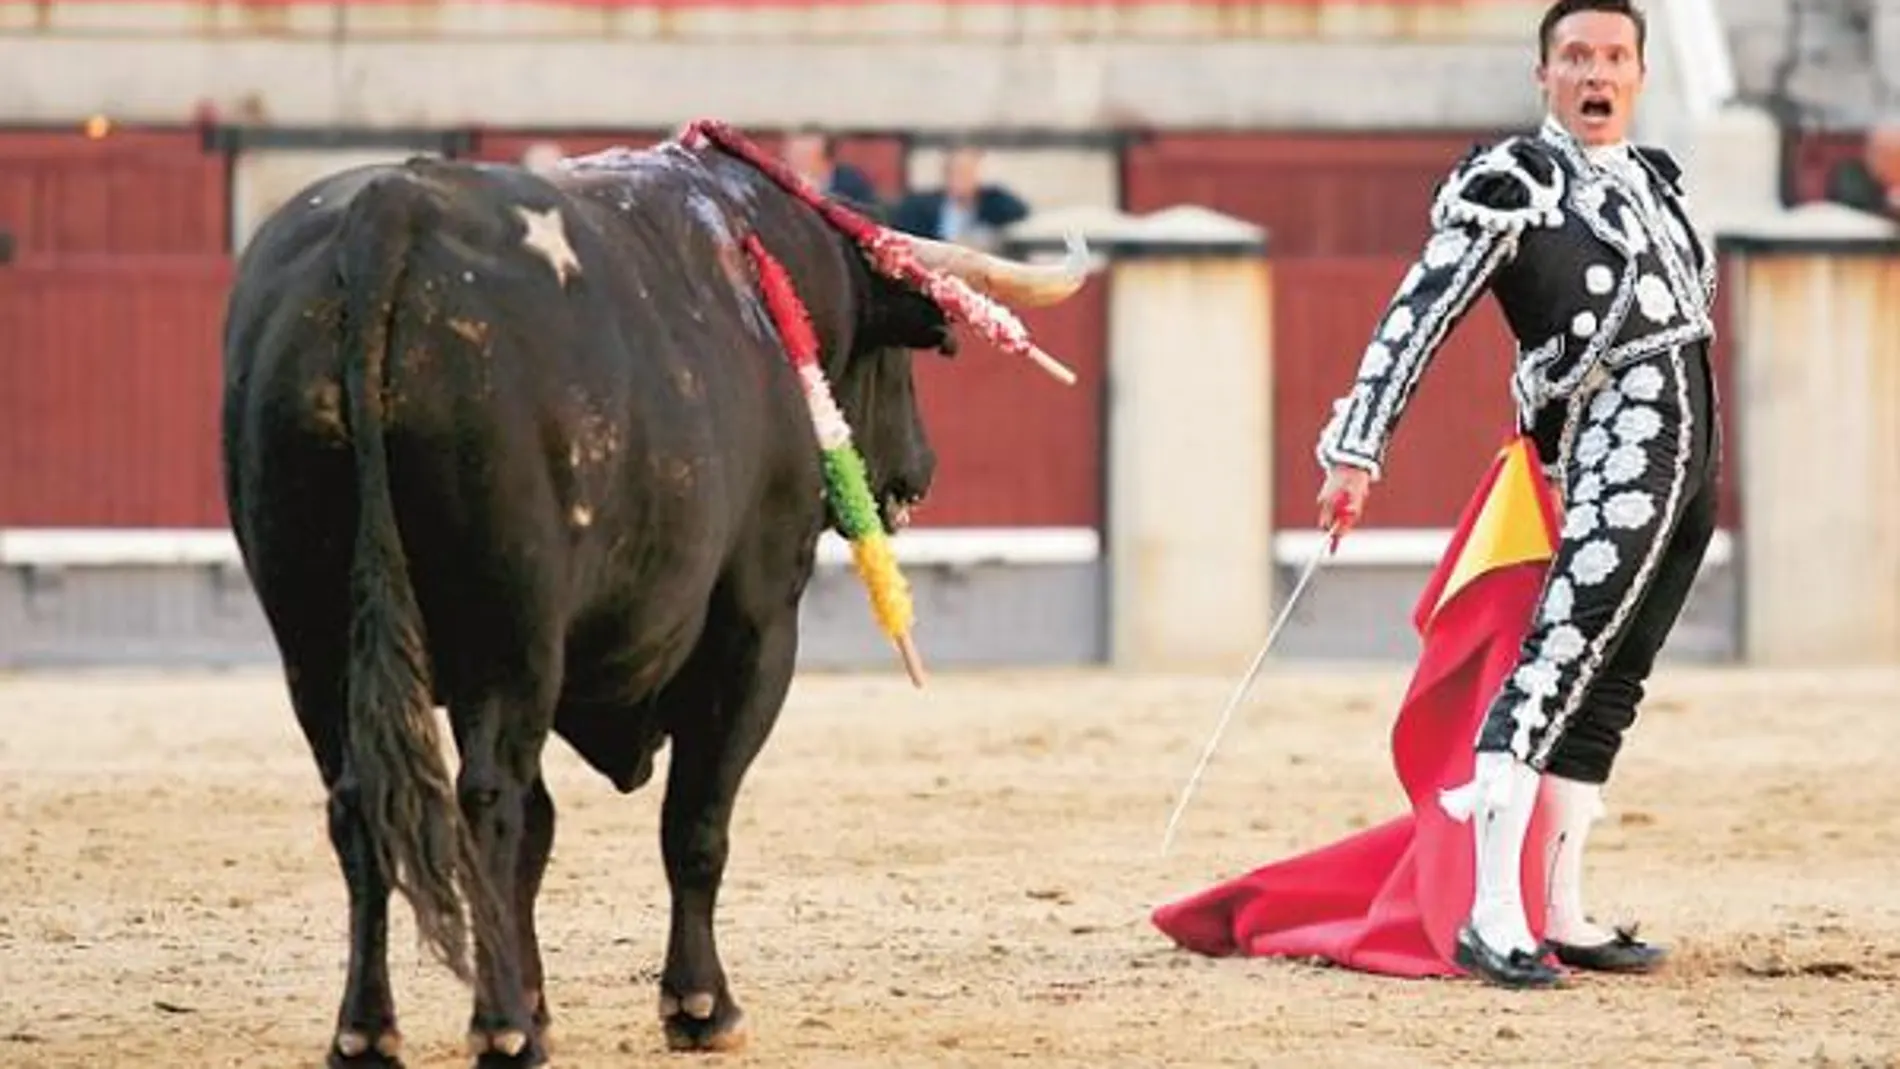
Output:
x,y
1514,970
1623,952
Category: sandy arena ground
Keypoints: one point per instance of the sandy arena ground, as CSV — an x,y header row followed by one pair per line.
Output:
x,y
958,878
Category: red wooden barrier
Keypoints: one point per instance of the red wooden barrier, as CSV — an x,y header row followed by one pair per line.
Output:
x,y
1324,311
108,367
135,192
1014,446
1318,194
1812,154
109,372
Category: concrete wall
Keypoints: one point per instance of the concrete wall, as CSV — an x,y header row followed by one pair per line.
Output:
x,y
973,614
1036,604
922,66
1819,347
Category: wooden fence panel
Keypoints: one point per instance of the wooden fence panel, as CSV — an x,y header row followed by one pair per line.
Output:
x,y
109,367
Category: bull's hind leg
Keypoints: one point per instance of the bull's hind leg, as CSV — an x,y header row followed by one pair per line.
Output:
x,y
713,746
537,842
366,1032
510,817
313,621
366,1036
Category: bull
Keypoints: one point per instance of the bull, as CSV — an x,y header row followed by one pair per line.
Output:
x,y
528,448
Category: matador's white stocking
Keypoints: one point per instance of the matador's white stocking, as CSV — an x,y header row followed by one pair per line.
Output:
x,y
1506,796
1574,807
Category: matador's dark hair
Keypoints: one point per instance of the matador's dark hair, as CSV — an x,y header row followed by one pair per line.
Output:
x,y
1562,9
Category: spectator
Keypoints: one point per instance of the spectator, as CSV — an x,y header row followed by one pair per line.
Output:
x,y
810,152
965,209
1871,183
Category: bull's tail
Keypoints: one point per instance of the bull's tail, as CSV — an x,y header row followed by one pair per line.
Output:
x,y
407,795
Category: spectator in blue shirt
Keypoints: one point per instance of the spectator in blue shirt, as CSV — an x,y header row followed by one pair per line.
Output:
x,y
965,209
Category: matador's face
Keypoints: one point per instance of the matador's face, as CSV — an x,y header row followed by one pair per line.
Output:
x,y
1592,74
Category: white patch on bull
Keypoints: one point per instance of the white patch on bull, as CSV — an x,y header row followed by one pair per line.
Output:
x,y
635,165
732,262
708,215
545,235
582,515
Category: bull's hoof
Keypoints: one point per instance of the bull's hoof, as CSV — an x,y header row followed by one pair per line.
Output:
x,y
366,1049
702,1022
506,1048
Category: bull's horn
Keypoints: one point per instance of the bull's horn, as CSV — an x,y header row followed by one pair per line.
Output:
x,y
1009,281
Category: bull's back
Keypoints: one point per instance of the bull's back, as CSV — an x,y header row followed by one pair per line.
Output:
x,y
568,444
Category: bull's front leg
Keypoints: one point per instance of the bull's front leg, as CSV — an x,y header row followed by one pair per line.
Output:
x,y
713,746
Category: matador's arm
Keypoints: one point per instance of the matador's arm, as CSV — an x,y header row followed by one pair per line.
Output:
x,y
1477,214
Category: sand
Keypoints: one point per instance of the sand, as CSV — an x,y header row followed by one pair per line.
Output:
x,y
959,877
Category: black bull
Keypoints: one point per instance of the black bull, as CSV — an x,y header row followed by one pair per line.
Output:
x,y
531,450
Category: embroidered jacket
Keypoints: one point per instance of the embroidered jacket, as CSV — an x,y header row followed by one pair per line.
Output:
x,y
1591,273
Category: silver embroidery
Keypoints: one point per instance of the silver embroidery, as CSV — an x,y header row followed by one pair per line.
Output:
x,y
1638,424
1643,383
1580,522
1654,298
1411,280
1605,404
1558,601
1359,429
1375,361
1562,645
1537,679
1589,487
1445,248
1398,324
1679,475
1624,464
1594,562
1592,445
1629,509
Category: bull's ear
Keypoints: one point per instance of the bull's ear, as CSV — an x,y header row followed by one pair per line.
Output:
x,y
903,317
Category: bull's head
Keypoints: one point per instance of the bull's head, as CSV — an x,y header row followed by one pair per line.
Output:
x,y
876,388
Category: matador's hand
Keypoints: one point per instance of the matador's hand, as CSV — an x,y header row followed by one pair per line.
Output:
x,y
1342,500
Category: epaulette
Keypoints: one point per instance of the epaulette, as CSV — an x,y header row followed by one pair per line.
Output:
x,y
1506,187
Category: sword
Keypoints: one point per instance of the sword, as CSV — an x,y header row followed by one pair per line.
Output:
x,y
1326,548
